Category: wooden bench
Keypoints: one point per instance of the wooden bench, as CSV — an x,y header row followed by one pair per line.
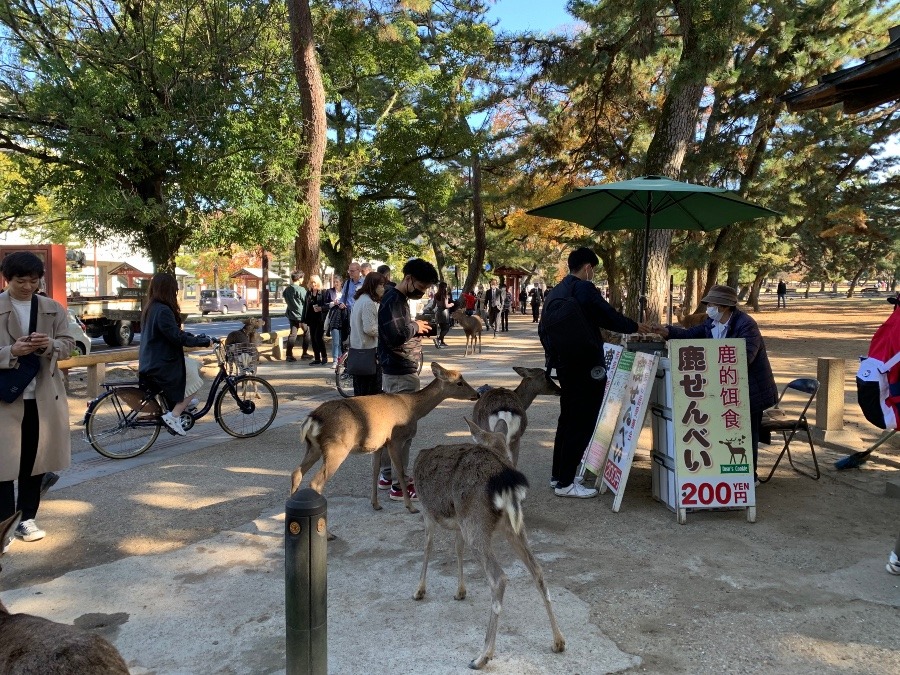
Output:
x,y
270,348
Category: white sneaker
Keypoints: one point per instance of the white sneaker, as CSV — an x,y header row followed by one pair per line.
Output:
x,y
578,479
893,565
29,531
174,423
576,490
192,406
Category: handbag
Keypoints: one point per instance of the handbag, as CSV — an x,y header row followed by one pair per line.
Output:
x,y
14,381
360,361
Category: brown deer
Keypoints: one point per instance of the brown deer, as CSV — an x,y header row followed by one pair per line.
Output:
x,y
689,320
510,405
365,424
472,325
31,644
475,490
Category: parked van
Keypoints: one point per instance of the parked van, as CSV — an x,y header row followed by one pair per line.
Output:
x,y
222,300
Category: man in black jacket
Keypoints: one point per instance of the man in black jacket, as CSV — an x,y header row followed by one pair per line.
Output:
x,y
582,394
400,350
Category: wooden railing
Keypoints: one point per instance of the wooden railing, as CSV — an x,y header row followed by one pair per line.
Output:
x,y
96,363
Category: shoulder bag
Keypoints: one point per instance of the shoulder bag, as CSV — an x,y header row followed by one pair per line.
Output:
x,y
360,361
14,381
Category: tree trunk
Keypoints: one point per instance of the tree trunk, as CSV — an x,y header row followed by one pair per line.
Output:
x,y
611,268
477,262
690,292
309,162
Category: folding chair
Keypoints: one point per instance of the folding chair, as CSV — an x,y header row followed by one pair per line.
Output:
x,y
777,419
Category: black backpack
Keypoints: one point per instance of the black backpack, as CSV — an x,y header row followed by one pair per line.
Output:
x,y
564,331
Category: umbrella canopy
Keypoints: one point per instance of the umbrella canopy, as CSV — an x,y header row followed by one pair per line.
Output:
x,y
651,202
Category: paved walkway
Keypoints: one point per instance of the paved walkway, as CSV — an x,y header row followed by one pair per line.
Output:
x,y
177,556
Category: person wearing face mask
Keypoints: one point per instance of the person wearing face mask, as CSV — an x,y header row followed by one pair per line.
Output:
x,y
725,320
582,394
400,350
364,329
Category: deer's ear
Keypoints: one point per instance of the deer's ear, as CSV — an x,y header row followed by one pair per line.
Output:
x,y
438,370
521,371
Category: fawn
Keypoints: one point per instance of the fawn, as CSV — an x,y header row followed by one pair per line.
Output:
x,y
689,320
31,644
472,325
474,489
365,424
510,406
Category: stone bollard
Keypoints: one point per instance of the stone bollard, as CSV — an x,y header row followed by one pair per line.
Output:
x,y
830,372
306,583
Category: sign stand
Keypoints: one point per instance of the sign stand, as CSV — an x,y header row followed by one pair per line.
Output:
x,y
713,461
618,365
628,425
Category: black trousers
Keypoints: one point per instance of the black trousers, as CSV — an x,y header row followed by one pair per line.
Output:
x,y
366,385
29,486
579,405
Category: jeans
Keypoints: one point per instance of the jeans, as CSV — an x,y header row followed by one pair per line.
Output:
x,y
398,384
336,345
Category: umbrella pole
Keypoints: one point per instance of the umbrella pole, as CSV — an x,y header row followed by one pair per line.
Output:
x,y
642,300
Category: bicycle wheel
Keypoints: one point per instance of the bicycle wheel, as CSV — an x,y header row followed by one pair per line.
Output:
x,y
121,425
250,410
342,378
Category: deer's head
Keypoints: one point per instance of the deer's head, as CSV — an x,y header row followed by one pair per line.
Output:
x,y
453,383
538,379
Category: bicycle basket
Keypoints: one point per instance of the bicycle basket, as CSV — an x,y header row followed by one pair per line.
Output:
x,y
241,359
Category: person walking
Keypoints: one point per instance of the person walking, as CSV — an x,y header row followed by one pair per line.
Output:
x,y
725,320
523,300
505,308
782,294
442,305
536,299
295,299
161,354
364,330
493,303
36,425
400,351
582,395
315,319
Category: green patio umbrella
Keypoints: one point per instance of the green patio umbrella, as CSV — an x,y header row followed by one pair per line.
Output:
x,y
651,202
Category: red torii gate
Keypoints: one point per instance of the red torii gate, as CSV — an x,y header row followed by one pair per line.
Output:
x,y
512,277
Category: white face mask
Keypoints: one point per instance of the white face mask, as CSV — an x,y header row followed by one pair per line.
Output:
x,y
713,313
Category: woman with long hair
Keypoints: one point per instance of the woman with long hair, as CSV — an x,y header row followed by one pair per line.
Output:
x,y
315,319
161,354
364,329
442,305
337,318
36,440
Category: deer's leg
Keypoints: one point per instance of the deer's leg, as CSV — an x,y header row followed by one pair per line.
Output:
x,y
313,453
519,542
460,549
429,539
478,336
376,469
333,455
497,580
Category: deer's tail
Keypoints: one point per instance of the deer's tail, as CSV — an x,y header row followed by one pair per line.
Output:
x,y
507,490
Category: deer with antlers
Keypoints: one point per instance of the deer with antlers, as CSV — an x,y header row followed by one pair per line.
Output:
x,y
365,424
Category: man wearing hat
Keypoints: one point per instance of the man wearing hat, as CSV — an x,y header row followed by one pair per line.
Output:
x,y
725,320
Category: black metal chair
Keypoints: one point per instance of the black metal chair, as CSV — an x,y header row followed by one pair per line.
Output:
x,y
777,419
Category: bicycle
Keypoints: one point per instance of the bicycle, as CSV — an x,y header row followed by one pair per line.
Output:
x,y
344,380
126,419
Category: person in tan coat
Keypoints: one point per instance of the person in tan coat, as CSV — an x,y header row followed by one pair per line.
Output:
x,y
35,443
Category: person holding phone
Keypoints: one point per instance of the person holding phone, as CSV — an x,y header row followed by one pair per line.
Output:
x,y
35,425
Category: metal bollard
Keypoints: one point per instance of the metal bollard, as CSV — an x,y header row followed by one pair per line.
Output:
x,y
306,583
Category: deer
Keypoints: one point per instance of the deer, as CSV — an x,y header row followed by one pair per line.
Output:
x,y
472,325
475,490
510,405
366,424
736,451
689,320
32,644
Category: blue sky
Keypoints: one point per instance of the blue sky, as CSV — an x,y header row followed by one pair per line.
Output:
x,y
536,15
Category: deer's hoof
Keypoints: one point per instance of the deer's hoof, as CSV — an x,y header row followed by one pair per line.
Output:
x,y
559,646
460,595
479,663
418,595
412,509
376,506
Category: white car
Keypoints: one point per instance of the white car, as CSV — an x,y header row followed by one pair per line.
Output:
x,y
77,329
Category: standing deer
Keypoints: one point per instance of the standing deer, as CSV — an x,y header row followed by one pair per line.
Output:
x,y
510,406
474,489
365,424
472,326
30,644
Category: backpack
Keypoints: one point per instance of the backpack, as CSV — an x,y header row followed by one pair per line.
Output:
x,y
564,331
878,377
